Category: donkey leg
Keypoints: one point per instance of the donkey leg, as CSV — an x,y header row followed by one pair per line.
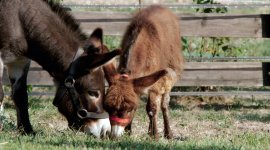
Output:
x,y
17,72
165,111
152,112
1,93
1,82
128,128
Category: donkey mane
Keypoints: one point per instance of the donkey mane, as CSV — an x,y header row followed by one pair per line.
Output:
x,y
132,33
67,18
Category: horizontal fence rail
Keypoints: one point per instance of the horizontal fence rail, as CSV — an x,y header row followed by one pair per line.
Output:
x,y
228,5
222,74
239,74
197,25
203,93
226,59
222,93
195,74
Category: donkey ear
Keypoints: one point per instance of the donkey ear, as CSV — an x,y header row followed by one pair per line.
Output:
x,y
140,84
88,62
94,41
97,37
110,70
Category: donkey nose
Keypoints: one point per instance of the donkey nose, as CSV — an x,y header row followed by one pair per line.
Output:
x,y
117,131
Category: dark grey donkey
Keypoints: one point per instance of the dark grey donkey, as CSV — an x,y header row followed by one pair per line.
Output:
x,y
46,33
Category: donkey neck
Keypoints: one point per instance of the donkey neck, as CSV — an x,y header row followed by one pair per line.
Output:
x,y
51,43
55,62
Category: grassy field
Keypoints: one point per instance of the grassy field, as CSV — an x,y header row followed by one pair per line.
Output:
x,y
200,124
203,123
225,125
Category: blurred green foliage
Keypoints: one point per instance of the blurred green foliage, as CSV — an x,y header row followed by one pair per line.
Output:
x,y
209,10
57,1
212,46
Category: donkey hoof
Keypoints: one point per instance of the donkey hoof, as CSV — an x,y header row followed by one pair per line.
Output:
x,y
27,132
32,133
170,136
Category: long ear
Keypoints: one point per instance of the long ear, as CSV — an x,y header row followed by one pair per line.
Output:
x,y
97,37
88,62
110,69
95,40
144,82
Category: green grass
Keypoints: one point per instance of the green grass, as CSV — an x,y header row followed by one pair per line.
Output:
x,y
112,42
72,140
201,128
69,141
242,124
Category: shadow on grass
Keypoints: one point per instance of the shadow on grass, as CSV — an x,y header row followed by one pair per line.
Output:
x,y
175,106
218,107
9,105
133,144
33,103
255,117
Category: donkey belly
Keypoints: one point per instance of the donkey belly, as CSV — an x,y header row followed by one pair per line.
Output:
x,y
164,84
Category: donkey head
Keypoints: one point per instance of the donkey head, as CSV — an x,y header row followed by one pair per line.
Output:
x,y
80,97
122,97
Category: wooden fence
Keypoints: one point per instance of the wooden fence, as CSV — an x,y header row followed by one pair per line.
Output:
x,y
200,25
240,74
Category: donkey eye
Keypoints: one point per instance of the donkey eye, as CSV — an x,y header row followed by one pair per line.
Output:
x,y
93,93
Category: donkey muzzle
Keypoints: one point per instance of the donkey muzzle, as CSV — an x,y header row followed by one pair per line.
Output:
x,y
84,114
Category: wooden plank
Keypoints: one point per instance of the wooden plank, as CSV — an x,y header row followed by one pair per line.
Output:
x,y
222,65
35,77
222,93
113,23
217,93
84,16
219,25
221,78
195,74
222,74
228,4
202,25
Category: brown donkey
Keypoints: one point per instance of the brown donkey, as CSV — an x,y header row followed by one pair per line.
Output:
x,y
151,63
44,32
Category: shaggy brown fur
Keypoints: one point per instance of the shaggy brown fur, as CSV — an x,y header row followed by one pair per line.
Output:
x,y
46,33
150,44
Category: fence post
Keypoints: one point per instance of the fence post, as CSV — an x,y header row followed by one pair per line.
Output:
x,y
265,25
140,4
266,73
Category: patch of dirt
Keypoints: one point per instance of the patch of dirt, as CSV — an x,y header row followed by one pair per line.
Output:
x,y
114,2
187,124
191,102
252,126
